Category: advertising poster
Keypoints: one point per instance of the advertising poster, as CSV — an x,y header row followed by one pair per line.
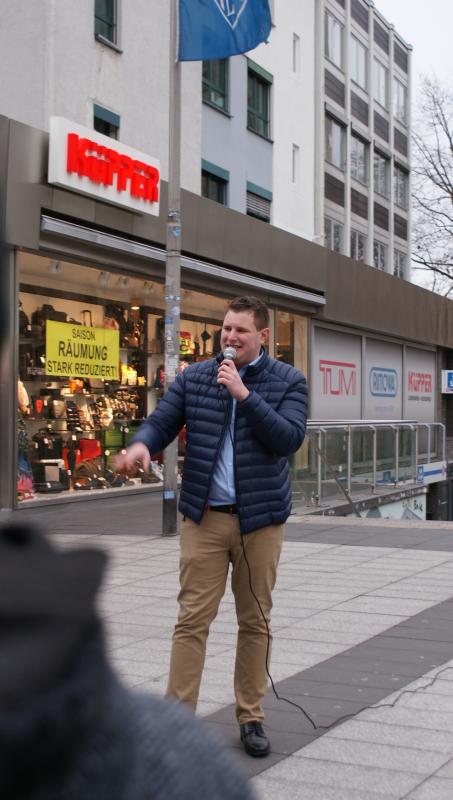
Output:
x,y
80,351
384,385
337,376
420,385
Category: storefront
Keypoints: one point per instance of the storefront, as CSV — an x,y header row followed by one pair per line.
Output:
x,y
83,292
84,282
91,368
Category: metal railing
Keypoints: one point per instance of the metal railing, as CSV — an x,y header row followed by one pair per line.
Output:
x,y
360,457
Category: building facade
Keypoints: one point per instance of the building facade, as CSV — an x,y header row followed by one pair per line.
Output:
x,y
320,144
82,292
309,132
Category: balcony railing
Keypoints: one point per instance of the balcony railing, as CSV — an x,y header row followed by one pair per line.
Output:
x,y
356,458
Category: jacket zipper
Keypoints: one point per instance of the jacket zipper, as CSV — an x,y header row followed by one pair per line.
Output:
x,y
219,447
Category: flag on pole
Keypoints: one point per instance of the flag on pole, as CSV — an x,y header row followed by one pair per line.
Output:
x,y
221,28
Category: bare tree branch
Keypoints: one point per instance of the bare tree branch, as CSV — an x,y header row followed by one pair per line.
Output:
x,y
432,193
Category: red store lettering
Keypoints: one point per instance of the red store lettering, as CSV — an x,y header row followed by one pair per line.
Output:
x,y
420,382
100,164
339,377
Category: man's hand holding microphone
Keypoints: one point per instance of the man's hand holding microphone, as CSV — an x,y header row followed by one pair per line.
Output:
x,y
228,376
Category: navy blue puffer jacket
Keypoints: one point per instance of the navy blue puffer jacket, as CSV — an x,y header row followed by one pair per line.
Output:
x,y
270,425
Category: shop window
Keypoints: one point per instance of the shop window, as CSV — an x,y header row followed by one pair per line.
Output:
x,y
105,19
259,100
291,346
91,368
215,83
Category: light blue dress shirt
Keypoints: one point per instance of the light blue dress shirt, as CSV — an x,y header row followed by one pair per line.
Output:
x,y
222,490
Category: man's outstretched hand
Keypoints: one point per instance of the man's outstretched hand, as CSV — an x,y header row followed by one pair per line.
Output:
x,y
129,461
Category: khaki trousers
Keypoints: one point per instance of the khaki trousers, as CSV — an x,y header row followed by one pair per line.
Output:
x,y
206,552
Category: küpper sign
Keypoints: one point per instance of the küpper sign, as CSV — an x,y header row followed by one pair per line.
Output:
x,y
91,163
80,351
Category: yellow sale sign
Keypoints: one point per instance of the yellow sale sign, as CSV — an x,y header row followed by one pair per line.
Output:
x,y
81,351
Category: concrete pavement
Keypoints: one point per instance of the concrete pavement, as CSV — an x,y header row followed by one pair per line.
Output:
x,y
363,642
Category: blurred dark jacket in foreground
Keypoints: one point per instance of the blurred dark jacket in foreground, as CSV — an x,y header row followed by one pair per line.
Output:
x,y
68,729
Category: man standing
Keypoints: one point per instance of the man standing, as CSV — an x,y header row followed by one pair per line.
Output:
x,y
244,416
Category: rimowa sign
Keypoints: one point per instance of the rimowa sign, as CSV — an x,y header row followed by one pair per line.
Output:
x,y
91,163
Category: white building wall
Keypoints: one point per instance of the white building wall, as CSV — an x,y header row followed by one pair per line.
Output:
x,y
51,64
293,114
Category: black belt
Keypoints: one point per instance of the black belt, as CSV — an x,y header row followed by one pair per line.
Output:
x,y
229,509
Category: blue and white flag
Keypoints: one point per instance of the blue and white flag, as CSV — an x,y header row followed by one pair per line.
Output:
x,y
221,28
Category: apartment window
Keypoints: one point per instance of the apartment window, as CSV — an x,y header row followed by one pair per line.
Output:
x,y
335,138
259,100
359,160
215,83
400,184
259,202
333,235
399,101
106,122
105,19
295,164
381,181
333,40
358,245
214,187
358,62
380,83
379,255
399,263
296,53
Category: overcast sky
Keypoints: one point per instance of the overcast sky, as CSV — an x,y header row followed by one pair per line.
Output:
x,y
428,27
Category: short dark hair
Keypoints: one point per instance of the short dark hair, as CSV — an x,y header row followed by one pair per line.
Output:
x,y
259,309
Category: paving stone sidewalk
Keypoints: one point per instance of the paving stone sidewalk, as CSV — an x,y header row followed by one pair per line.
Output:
x,y
363,642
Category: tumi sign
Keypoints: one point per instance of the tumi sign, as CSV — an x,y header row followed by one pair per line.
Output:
x,y
88,162
338,377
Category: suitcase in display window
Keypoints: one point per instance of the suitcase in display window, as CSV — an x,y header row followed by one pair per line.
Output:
x,y
47,445
50,476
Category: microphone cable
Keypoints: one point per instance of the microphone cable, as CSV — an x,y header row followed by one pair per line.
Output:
x,y
344,717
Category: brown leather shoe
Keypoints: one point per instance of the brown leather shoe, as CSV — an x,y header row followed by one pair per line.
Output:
x,y
254,739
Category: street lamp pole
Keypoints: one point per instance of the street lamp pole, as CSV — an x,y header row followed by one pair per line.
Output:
x,y
173,271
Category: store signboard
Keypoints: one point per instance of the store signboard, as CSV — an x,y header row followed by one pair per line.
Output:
x,y
433,472
337,376
80,351
88,162
447,381
384,385
419,391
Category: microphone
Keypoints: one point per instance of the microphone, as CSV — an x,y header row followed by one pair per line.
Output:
x,y
229,352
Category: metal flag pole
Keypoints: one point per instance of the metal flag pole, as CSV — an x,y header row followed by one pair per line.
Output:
x,y
173,270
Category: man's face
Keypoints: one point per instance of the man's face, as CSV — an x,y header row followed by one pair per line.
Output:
x,y
239,331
